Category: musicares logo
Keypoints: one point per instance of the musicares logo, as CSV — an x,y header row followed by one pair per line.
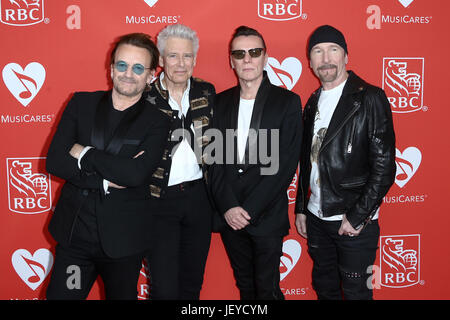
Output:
x,y
376,19
21,12
285,74
405,3
292,251
32,268
24,83
407,163
151,3
152,18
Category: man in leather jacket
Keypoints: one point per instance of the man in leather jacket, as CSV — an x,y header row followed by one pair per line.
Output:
x,y
348,164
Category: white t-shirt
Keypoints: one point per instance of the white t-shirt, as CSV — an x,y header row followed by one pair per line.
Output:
x,y
244,119
328,101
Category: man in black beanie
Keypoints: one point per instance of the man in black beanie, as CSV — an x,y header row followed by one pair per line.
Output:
x,y
348,164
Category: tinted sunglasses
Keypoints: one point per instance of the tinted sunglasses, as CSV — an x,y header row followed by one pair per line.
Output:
x,y
137,68
240,54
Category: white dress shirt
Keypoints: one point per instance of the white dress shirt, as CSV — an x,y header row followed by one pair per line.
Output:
x,y
184,162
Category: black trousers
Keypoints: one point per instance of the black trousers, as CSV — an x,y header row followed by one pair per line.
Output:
x,y
256,263
340,263
181,233
77,267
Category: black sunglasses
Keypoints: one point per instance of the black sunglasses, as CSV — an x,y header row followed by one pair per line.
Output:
x,y
240,54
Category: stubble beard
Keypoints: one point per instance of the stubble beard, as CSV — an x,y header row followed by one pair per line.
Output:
x,y
128,93
327,73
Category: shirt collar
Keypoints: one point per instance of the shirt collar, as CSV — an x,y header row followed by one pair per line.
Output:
x,y
161,77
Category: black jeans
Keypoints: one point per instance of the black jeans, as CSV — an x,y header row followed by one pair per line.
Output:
x,y
77,267
181,234
256,263
340,263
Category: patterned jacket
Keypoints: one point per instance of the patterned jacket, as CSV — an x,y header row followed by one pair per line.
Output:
x,y
201,99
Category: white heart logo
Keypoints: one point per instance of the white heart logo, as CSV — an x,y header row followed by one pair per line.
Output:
x,y
407,164
286,74
151,3
291,254
32,269
405,3
24,84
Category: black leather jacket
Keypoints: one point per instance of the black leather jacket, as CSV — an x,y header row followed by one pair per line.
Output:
x,y
357,156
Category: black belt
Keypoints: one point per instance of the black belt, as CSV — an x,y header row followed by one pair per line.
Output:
x,y
184,185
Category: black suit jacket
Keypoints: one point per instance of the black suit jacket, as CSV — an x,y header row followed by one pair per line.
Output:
x,y
264,197
122,215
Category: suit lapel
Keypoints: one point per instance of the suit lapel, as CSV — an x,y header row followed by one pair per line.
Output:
x,y
260,101
233,119
234,112
101,115
116,142
309,115
345,108
255,122
160,98
98,131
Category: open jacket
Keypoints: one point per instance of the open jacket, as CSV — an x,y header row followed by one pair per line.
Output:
x,y
201,98
233,184
357,157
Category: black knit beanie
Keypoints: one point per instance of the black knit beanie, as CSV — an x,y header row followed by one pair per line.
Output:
x,y
326,33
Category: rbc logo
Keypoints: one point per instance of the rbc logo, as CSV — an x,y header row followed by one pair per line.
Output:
x,y
28,191
291,192
403,83
279,10
400,260
143,282
21,12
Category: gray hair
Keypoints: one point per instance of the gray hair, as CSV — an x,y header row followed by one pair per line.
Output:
x,y
177,31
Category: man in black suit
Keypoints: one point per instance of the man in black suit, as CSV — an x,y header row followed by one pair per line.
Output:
x,y
250,193
106,147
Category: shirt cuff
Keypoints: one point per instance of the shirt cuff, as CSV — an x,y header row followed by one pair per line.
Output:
x,y
82,153
105,186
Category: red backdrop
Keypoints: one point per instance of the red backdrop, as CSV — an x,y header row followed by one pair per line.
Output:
x,y
52,48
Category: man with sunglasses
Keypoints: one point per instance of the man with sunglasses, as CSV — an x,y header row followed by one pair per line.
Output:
x,y
253,205
106,148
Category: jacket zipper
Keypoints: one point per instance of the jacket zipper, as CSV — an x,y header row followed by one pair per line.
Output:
x,y
318,157
350,141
